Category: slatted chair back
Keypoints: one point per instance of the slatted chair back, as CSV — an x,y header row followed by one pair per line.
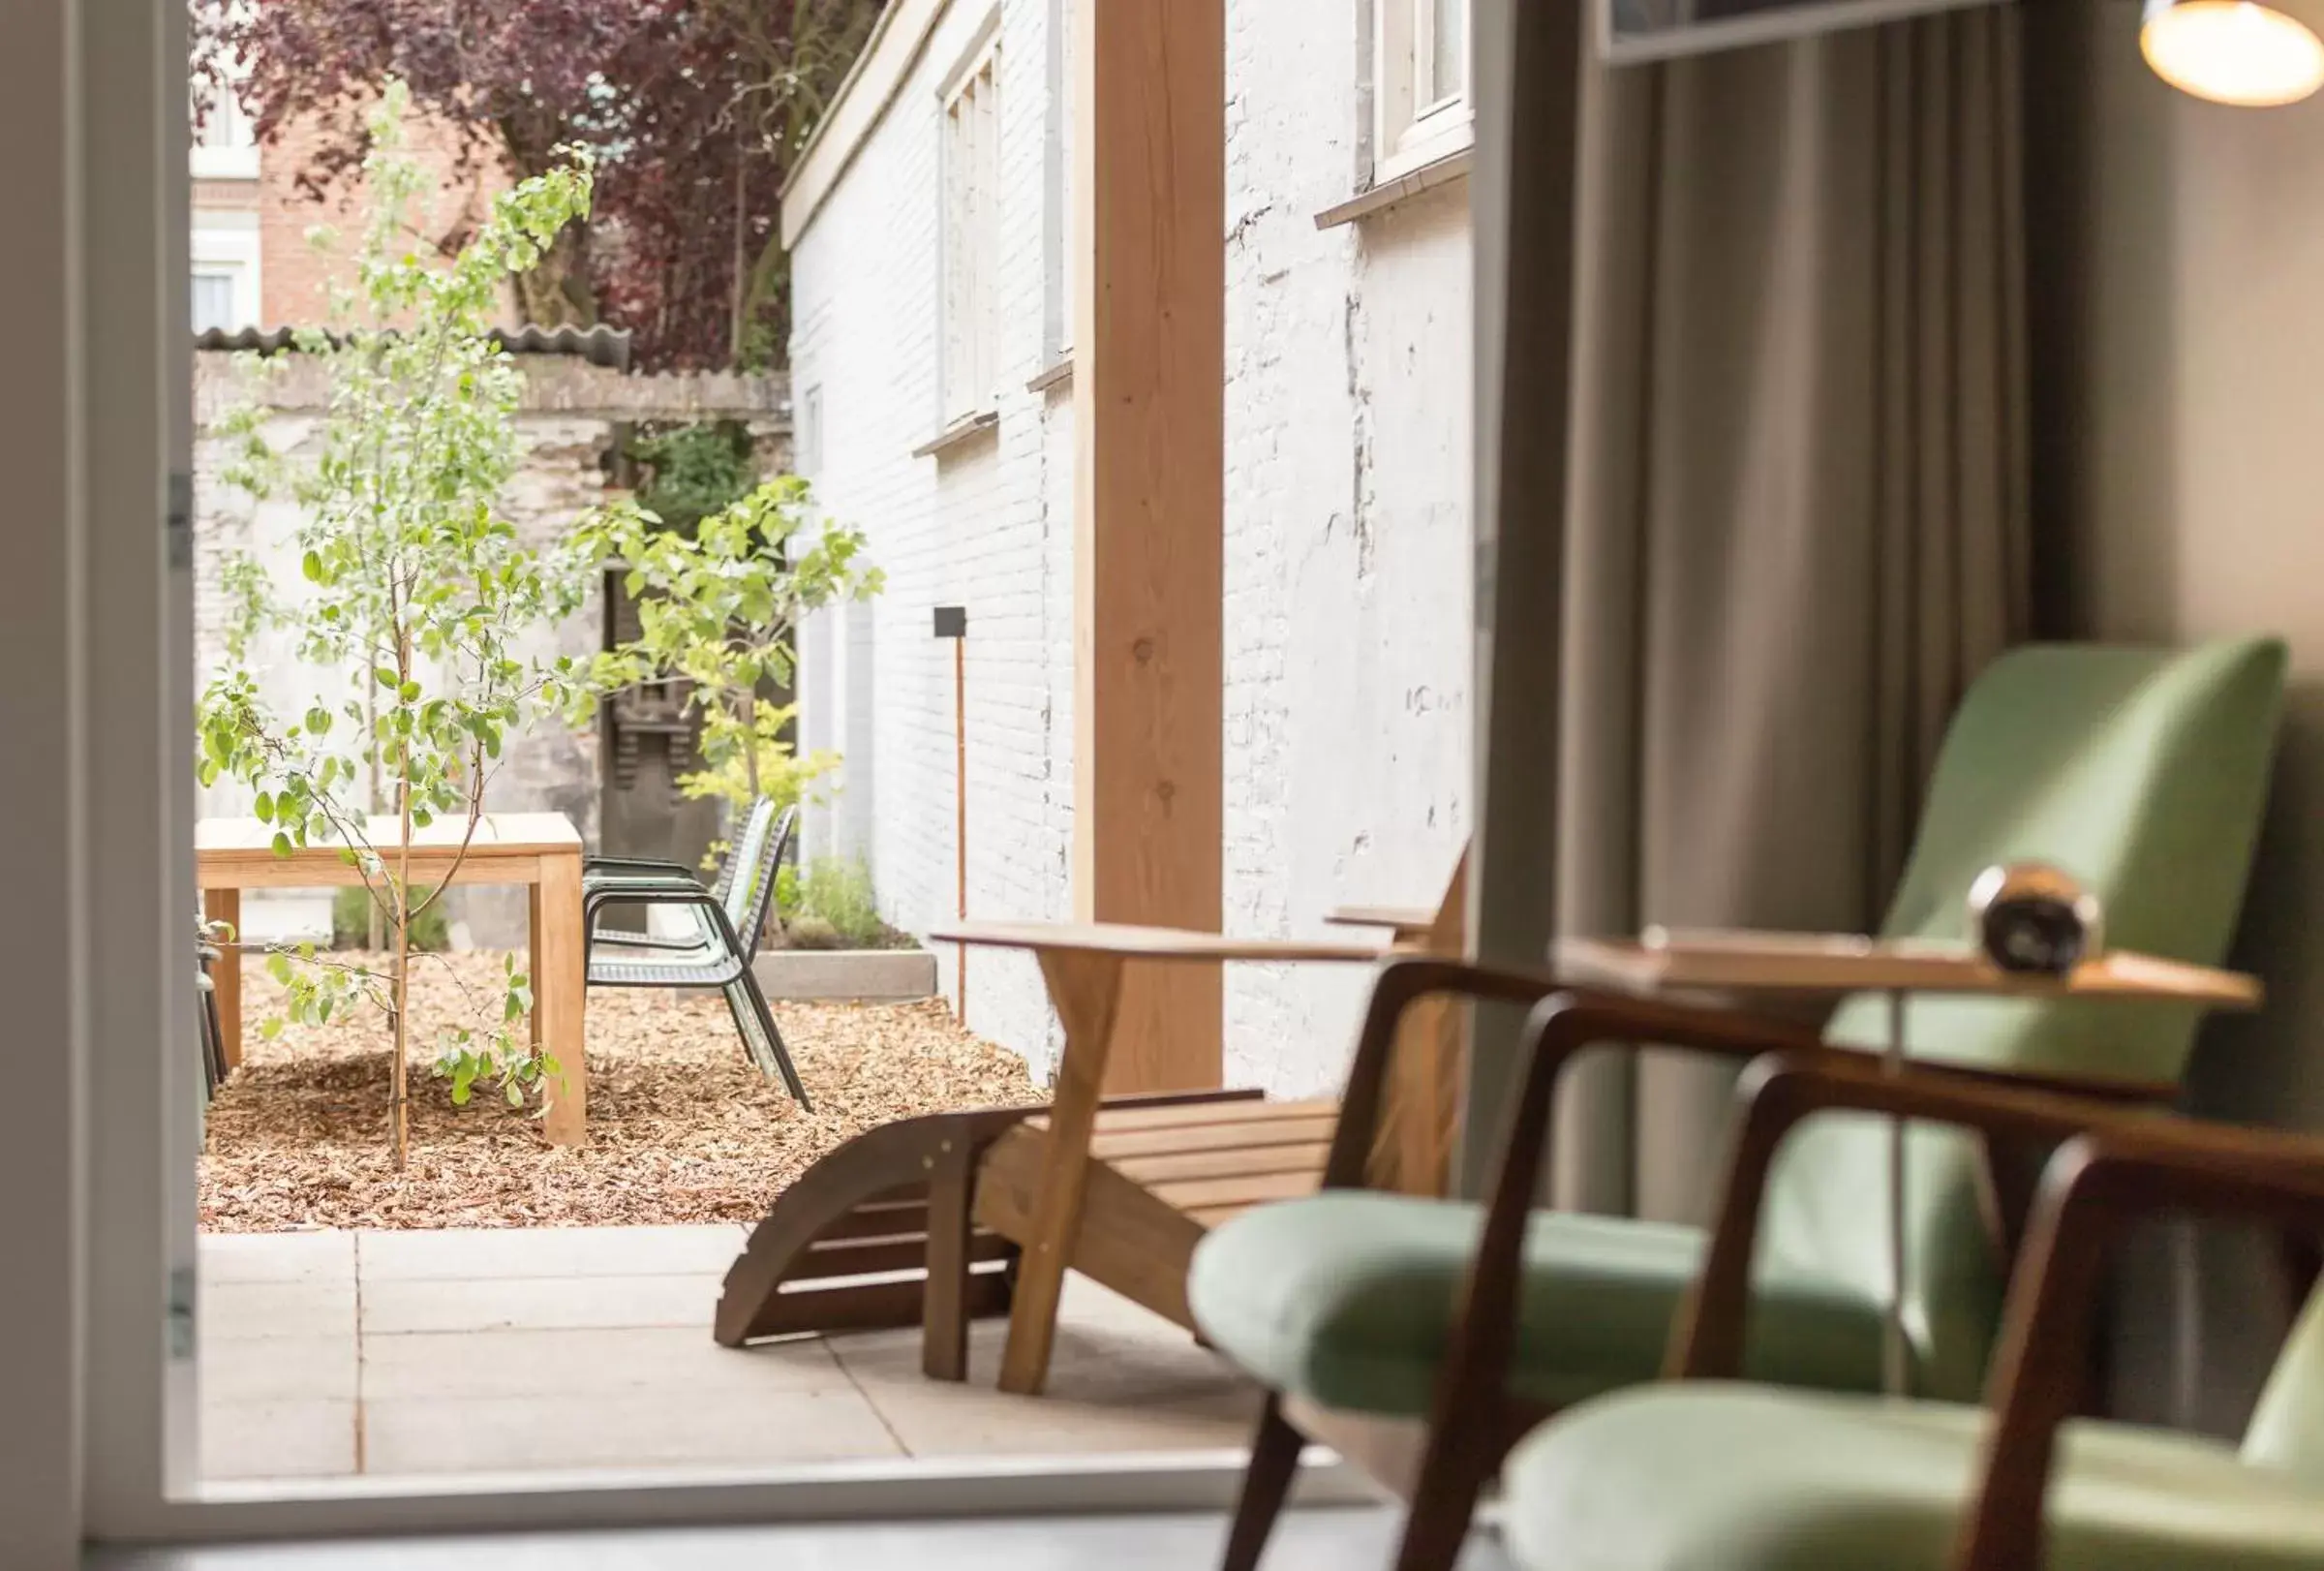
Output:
x,y
751,897
755,826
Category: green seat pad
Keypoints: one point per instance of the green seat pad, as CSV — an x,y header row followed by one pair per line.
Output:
x,y
1347,1298
1732,1477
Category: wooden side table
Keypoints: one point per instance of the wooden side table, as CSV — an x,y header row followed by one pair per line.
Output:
x,y
540,850
1813,964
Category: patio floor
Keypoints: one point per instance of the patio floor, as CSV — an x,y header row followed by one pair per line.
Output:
x,y
522,1349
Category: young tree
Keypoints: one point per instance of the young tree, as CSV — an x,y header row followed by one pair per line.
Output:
x,y
719,607
413,580
694,110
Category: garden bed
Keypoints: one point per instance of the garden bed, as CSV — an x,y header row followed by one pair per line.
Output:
x,y
682,1128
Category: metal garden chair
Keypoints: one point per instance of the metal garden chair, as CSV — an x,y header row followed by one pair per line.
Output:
x,y
730,916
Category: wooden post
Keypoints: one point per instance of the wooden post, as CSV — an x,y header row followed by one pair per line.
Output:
x,y
1527,91
952,622
1149,367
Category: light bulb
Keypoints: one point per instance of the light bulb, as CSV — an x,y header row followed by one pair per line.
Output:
x,y
2232,52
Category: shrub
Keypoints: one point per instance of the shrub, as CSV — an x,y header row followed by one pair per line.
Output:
x,y
834,907
350,922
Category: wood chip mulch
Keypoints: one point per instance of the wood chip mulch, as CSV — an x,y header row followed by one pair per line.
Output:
x,y
682,1128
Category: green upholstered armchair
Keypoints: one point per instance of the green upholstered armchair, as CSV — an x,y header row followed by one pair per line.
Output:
x,y
1707,1471
2143,772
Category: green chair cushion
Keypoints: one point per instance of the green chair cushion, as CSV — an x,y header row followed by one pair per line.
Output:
x,y
1347,1298
1739,1478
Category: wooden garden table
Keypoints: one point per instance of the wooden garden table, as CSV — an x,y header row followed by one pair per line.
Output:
x,y
540,850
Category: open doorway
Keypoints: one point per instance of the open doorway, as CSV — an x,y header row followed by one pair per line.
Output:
x,y
495,1241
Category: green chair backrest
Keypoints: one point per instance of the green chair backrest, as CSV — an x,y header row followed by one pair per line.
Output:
x,y
2287,1426
2144,773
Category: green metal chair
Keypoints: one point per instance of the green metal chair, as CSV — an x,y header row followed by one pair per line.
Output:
x,y
2143,772
1706,1472
730,916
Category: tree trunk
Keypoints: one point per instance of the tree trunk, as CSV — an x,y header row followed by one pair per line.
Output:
x,y
746,706
557,292
398,1076
374,924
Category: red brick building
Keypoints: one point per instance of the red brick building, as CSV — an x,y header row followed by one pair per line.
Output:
x,y
253,263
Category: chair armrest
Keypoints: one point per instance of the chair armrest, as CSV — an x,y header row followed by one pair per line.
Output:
x,y
2096,1185
650,864
1396,918
1561,1027
1778,1094
1399,983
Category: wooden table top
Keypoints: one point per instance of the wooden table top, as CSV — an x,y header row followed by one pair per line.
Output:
x,y
498,834
1131,942
1843,962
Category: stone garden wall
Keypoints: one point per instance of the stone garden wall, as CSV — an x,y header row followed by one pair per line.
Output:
x,y
574,420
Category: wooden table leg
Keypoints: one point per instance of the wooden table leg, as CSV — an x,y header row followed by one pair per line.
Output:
x,y
1086,990
560,991
226,979
951,1226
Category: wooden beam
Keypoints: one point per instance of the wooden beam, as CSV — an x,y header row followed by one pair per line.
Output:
x,y
1527,86
1149,368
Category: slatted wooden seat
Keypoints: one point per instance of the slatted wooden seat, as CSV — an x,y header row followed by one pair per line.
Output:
x,y
1158,1177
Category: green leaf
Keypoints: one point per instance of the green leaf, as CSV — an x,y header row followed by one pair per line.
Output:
x,y
514,1091
408,692
264,807
385,675
282,844
312,565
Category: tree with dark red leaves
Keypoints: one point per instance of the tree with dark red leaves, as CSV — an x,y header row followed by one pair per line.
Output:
x,y
695,109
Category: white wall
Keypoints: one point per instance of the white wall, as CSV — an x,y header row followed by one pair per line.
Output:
x,y
1347,541
1346,533
983,525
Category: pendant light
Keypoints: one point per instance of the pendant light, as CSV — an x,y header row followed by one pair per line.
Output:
x,y
2237,51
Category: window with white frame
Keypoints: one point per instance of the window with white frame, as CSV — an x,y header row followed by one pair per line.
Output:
x,y
225,254
806,434
225,146
971,235
1057,169
1421,84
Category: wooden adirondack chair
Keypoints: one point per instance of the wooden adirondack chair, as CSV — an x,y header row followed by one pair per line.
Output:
x,y
983,1213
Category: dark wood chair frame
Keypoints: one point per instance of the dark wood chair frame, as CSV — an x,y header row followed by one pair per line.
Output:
x,y
1474,1419
2111,1170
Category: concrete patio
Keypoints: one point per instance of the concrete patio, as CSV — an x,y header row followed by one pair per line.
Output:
x,y
505,1350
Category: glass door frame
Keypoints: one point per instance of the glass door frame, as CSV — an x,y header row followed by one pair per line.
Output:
x,y
125,1152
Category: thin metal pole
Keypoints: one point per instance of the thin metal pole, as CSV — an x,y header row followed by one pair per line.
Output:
x,y
960,821
1895,1365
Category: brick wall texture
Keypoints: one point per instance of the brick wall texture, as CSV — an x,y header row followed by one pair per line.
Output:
x,y
1347,531
294,275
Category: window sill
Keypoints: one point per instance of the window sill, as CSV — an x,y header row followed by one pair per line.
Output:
x,y
1442,170
223,163
960,432
1056,374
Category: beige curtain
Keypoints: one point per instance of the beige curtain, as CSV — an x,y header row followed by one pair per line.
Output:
x,y
1798,522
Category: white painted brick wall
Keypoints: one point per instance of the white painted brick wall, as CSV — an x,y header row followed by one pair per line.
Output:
x,y
980,526
1347,539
